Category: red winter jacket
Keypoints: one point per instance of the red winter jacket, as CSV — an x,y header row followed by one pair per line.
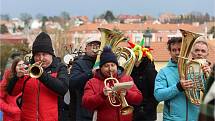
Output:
x,y
41,96
94,99
38,101
8,103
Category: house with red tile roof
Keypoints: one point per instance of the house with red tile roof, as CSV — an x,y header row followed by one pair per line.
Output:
x,y
12,39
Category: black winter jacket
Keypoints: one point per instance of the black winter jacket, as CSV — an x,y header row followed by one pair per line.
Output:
x,y
81,72
144,78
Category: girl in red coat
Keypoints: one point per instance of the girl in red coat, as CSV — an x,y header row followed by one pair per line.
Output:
x,y
11,112
96,94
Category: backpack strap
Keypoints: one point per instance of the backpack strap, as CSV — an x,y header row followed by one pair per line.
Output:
x,y
23,88
19,99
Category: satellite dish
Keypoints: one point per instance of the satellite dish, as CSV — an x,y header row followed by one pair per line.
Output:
x,y
67,58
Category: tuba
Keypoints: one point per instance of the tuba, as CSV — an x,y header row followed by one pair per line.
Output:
x,y
111,38
126,59
116,98
191,69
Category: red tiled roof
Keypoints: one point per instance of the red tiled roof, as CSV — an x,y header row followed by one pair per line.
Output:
x,y
211,56
136,27
12,39
161,53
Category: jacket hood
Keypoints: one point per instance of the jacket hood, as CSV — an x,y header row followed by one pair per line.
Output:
x,y
86,57
171,63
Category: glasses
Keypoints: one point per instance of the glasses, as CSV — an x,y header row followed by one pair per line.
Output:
x,y
94,45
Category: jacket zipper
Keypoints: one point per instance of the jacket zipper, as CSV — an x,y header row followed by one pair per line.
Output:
x,y
37,104
186,109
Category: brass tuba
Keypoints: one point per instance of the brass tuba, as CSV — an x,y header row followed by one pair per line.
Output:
x,y
187,68
117,99
111,38
126,59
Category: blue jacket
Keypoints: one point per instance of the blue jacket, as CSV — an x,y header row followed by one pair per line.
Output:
x,y
176,106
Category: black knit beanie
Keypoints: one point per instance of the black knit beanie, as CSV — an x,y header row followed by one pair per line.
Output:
x,y
107,56
43,43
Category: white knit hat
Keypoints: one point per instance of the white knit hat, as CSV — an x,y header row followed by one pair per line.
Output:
x,y
92,39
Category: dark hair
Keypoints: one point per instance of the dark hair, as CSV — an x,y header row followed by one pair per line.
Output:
x,y
12,72
15,54
173,40
13,67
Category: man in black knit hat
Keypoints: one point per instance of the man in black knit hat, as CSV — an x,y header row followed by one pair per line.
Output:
x,y
42,96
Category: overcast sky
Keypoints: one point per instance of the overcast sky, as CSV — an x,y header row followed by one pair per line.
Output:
x,y
93,8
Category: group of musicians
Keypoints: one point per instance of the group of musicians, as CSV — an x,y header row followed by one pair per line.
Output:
x,y
41,88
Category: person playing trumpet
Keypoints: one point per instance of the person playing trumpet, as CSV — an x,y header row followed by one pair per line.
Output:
x,y
42,95
96,94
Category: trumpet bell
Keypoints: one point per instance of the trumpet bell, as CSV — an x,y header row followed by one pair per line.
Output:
x,y
35,71
126,110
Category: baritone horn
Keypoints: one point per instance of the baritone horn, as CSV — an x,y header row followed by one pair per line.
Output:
x,y
187,70
36,70
116,98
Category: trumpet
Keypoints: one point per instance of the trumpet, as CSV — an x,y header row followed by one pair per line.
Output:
x,y
117,99
36,70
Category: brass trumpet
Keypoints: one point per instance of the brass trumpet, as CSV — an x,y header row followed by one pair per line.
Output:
x,y
36,70
117,99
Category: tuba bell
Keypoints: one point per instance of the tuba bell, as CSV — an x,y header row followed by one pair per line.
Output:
x,y
126,59
191,69
111,38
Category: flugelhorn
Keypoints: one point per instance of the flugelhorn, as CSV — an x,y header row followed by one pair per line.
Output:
x,y
117,98
36,70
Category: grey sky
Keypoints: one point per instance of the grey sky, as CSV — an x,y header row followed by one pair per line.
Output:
x,y
93,8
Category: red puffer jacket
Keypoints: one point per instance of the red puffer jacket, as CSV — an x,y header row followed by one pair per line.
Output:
x,y
39,102
94,99
8,106
42,96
